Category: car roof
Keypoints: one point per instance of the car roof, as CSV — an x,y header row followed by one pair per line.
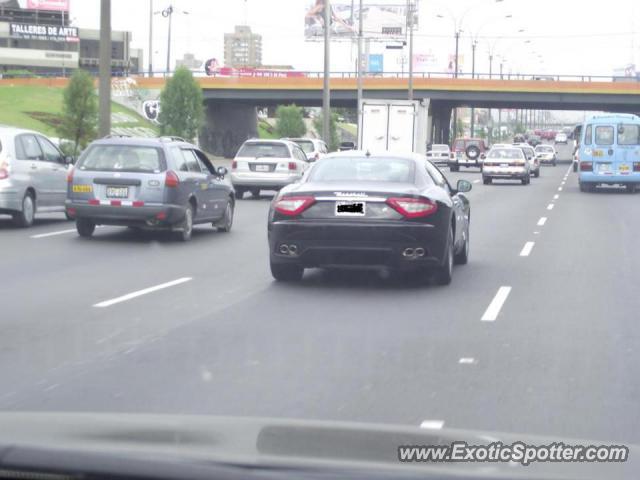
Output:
x,y
140,141
378,155
274,141
9,130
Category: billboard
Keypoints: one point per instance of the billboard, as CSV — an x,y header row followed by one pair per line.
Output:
x,y
376,63
51,33
381,21
54,5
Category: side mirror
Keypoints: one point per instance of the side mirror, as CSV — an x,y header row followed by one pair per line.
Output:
x,y
69,160
463,186
222,171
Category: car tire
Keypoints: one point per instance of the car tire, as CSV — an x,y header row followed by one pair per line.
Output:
x,y
226,223
186,226
586,187
487,180
239,192
24,219
286,272
255,192
630,188
462,257
537,173
85,227
554,163
444,273
575,167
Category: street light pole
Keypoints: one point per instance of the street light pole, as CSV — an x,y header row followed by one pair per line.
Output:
x,y
105,69
150,38
455,75
410,13
168,13
359,71
474,44
326,94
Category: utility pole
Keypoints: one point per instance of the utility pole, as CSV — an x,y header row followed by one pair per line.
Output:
x,y
474,44
105,68
168,13
359,70
150,38
410,19
455,75
326,93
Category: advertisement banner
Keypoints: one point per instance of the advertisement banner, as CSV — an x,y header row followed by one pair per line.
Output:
x,y
425,62
376,63
256,72
57,5
380,21
44,32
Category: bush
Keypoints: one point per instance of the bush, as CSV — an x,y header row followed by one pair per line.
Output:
x,y
334,141
181,106
290,121
79,122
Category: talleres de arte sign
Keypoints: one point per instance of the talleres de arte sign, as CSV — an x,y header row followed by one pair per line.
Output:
x,y
44,32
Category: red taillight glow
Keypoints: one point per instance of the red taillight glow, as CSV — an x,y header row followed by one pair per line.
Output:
x,y
293,166
171,179
413,207
586,166
234,165
70,175
161,216
116,203
293,205
94,201
138,203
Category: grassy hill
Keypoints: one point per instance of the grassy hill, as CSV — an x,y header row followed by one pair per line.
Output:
x,y
38,108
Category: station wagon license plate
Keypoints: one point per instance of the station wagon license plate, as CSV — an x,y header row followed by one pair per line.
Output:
x,y
604,167
262,168
117,192
350,209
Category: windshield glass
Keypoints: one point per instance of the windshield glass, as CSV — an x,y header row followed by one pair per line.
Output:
x,y
305,145
506,153
349,169
258,150
124,158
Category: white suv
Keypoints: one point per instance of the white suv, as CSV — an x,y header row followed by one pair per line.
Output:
x,y
267,165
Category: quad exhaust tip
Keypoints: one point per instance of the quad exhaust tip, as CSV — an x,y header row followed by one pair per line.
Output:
x,y
413,252
291,250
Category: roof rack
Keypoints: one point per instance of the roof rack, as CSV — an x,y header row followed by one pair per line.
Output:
x,y
169,138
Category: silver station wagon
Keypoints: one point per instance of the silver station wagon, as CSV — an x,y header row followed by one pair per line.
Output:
x,y
162,183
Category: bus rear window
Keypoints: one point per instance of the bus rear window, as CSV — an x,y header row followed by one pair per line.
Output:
x,y
604,135
628,134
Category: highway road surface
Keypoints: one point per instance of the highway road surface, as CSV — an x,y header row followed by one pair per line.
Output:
x,y
538,334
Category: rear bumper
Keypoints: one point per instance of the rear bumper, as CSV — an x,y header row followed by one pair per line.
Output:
x,y
327,244
465,162
263,180
596,178
147,216
10,200
503,172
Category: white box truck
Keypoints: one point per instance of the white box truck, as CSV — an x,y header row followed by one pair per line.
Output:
x,y
396,126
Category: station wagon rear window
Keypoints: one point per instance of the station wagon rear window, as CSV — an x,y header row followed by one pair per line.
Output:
x,y
123,158
629,135
363,170
604,135
506,153
306,146
260,150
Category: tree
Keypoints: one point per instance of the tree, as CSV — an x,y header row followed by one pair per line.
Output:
x,y
290,121
79,122
181,106
334,141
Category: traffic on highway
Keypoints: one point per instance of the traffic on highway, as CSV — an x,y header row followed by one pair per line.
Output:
x,y
380,284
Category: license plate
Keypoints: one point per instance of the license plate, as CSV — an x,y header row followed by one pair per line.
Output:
x,y
117,192
82,189
504,164
350,209
604,168
262,168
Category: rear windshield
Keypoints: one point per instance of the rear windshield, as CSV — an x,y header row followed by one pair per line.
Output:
x,y
629,135
347,169
122,158
604,135
305,145
506,153
257,150
544,149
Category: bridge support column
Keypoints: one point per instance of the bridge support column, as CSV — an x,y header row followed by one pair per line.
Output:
x,y
227,125
441,120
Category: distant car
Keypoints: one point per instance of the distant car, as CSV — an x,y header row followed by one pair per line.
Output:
x,y
467,152
439,154
313,148
546,154
506,163
149,183
530,154
344,146
561,138
519,138
382,210
534,140
267,165
33,175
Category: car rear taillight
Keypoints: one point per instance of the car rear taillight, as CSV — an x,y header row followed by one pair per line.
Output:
x,y
586,166
4,170
94,201
413,207
234,165
293,205
171,179
70,175
137,203
636,166
293,166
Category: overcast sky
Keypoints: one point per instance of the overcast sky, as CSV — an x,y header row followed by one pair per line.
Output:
x,y
564,36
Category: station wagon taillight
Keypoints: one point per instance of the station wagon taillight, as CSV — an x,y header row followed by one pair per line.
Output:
x,y
293,206
234,165
4,170
586,166
413,207
171,179
293,166
70,175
